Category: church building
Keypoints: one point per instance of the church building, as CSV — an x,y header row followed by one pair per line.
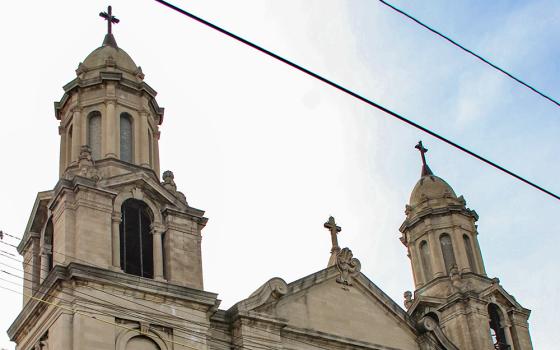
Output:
x,y
112,254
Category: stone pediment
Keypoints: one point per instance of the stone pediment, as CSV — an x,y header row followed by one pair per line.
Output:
x,y
495,293
37,218
318,304
141,184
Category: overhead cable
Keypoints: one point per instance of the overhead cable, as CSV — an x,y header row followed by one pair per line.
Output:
x,y
510,75
358,96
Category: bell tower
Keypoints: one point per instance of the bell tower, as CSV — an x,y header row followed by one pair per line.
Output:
x,y
452,289
109,108
110,225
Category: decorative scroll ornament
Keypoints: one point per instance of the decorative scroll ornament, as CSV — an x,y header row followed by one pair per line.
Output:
x,y
348,266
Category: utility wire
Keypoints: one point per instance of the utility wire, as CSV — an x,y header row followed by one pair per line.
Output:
x,y
249,338
527,85
357,96
136,315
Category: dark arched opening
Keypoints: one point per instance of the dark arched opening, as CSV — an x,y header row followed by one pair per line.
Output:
x,y
135,239
496,328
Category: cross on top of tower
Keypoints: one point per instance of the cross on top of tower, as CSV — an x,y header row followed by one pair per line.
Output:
x,y
425,168
108,16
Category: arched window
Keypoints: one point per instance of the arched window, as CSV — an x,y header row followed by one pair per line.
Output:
x,y
469,250
126,137
426,261
142,343
447,250
496,328
94,134
136,239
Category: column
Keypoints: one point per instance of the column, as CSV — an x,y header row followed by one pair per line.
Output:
x,y
116,241
62,161
460,250
478,254
507,330
110,124
156,152
437,255
44,265
35,262
415,263
143,138
157,232
77,140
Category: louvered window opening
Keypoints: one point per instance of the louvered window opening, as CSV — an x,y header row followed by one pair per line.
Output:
x,y
136,240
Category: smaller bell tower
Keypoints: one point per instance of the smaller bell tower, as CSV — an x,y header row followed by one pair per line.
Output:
x,y
451,285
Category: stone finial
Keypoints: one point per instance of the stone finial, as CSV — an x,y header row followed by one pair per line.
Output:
x,y
408,301
169,181
348,266
171,186
86,166
139,74
456,278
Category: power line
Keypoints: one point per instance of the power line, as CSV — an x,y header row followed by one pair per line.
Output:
x,y
471,52
358,96
130,312
246,338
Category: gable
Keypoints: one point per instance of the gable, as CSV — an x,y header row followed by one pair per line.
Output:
x,y
353,312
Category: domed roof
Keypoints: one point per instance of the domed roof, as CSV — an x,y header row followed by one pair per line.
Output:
x,y
430,187
109,50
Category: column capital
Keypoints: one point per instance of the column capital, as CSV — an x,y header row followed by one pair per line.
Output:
x,y
117,216
157,229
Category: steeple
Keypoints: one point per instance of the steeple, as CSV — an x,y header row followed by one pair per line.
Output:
x,y
441,237
112,110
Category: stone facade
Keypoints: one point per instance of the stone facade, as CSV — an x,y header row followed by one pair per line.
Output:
x,y
113,255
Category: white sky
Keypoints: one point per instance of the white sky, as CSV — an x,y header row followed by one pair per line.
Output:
x,y
270,153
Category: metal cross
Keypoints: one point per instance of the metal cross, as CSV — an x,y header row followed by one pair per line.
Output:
x,y
108,16
331,226
422,150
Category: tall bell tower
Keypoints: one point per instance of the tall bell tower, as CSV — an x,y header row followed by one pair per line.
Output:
x,y
452,289
110,233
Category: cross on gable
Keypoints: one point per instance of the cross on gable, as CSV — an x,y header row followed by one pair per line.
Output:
x,y
108,16
334,229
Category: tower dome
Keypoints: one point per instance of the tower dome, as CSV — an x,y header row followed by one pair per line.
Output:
x,y
431,187
98,58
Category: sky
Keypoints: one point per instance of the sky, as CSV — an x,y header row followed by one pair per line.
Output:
x,y
269,153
